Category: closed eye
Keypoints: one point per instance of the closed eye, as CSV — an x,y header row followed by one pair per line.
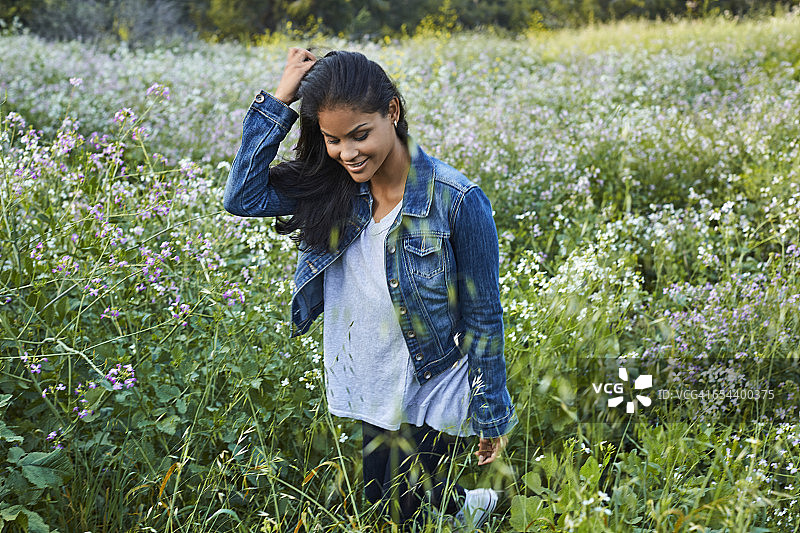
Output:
x,y
362,137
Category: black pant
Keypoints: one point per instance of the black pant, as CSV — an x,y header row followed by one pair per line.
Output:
x,y
400,467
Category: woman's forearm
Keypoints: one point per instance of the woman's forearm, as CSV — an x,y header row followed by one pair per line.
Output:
x,y
248,191
476,250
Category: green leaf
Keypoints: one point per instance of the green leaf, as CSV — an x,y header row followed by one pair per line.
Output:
x,y
167,393
35,523
533,482
41,477
169,424
46,469
15,484
590,470
550,465
8,435
62,308
17,514
14,454
122,396
10,513
5,399
529,514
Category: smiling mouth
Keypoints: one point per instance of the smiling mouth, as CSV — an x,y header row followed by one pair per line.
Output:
x,y
358,165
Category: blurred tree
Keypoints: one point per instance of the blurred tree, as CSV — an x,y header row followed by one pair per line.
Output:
x,y
21,9
233,18
134,21
144,20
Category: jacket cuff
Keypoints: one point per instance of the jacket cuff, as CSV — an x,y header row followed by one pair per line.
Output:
x,y
497,427
274,110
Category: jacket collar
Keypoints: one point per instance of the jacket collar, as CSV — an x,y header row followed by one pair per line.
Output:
x,y
418,195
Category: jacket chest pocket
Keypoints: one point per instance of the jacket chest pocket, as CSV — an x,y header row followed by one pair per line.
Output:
x,y
426,254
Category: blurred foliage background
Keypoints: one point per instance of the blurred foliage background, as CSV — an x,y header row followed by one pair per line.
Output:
x,y
146,21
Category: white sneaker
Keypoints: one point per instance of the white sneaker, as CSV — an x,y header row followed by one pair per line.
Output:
x,y
478,505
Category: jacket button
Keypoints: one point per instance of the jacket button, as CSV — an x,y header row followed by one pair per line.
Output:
x,y
394,283
403,310
418,357
427,375
392,249
411,334
259,98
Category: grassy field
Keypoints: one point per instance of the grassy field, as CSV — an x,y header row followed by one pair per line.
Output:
x,y
645,183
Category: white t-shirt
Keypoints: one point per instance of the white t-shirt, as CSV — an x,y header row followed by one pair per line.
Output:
x,y
368,369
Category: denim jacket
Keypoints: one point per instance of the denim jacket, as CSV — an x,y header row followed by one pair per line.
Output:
x,y
442,263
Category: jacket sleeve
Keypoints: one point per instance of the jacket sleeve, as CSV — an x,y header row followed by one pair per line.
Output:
x,y
248,191
475,245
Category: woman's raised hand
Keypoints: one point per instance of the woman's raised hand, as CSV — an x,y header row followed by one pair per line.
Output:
x,y
297,64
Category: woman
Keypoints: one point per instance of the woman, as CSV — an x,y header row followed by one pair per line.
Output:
x,y
400,251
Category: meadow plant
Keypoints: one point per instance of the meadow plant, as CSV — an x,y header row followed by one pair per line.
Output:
x,y
646,193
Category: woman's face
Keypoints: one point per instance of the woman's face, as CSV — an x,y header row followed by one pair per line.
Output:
x,y
360,142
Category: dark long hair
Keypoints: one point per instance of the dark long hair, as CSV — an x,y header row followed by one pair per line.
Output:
x,y
324,190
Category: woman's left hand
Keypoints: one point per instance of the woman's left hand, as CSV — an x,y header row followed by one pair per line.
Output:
x,y
490,449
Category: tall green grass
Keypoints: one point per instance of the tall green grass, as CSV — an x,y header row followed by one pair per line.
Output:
x,y
644,178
